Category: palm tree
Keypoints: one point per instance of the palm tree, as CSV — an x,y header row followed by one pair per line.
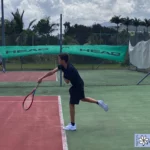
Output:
x,y
67,26
127,21
45,27
146,23
19,29
117,20
19,26
136,22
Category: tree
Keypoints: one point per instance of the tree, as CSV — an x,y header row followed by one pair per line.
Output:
x,y
136,22
19,27
146,23
18,21
9,32
45,27
79,32
95,36
95,39
127,21
67,26
68,40
96,28
117,20
8,27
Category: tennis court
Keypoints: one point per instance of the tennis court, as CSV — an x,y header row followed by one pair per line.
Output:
x,y
128,114
24,76
38,128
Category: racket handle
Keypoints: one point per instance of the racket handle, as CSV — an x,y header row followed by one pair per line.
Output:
x,y
37,86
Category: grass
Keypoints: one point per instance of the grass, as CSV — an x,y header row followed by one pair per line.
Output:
x,y
128,109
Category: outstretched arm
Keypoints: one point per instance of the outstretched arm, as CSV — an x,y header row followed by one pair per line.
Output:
x,y
48,74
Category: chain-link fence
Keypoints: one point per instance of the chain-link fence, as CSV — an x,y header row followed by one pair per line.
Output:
x,y
138,37
95,71
83,62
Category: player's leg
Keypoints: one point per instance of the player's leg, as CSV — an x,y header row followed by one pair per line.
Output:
x,y
1,64
89,100
72,114
98,102
71,126
74,100
3,69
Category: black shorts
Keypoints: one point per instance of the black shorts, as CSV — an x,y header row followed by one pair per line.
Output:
x,y
76,94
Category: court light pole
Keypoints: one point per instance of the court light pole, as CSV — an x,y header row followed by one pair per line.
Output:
x,y
3,28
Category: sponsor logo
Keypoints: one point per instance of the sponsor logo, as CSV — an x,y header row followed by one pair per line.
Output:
x,y
142,140
101,52
26,51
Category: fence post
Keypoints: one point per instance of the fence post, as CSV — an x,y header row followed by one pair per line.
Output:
x,y
60,46
3,30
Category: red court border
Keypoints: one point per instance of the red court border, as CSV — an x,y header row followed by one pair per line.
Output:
x,y
63,133
26,76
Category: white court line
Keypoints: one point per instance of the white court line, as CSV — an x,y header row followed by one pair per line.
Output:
x,y
53,101
63,133
35,96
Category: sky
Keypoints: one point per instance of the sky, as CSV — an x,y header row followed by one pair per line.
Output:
x,y
85,12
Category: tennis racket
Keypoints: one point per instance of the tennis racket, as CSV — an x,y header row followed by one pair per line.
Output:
x,y
28,100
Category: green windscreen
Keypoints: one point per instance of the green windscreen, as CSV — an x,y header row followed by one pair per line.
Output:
x,y
116,53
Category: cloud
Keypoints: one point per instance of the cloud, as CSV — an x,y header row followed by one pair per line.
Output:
x,y
77,11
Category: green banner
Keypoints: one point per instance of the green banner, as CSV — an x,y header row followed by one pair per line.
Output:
x,y
116,53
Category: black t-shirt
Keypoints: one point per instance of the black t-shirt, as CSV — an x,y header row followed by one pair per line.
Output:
x,y
72,75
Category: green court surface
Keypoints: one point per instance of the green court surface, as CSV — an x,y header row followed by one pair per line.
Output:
x,y
128,114
47,66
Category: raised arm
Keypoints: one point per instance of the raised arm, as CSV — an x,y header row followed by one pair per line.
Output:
x,y
48,74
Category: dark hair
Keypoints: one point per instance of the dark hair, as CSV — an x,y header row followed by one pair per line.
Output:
x,y
64,56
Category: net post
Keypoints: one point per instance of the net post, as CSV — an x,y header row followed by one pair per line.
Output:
x,y
3,30
60,46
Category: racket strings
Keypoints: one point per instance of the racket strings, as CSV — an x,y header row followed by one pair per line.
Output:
x,y
29,99
28,102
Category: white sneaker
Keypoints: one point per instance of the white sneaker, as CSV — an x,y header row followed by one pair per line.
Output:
x,y
70,127
103,105
4,70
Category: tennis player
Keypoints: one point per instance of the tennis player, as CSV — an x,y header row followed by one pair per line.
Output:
x,y
1,63
76,91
